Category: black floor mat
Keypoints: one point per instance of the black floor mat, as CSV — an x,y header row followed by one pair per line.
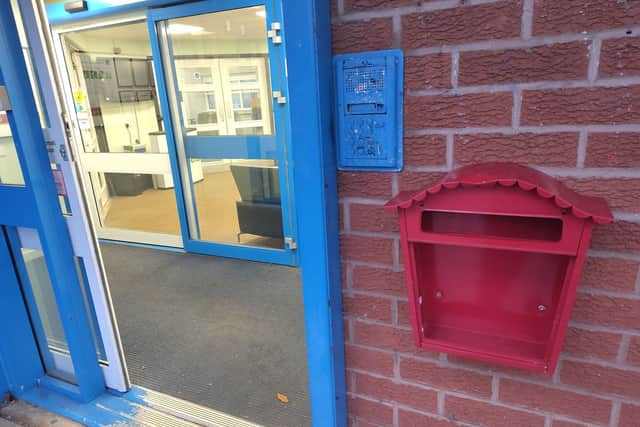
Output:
x,y
226,334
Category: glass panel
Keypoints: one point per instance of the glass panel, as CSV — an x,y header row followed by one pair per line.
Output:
x,y
45,315
221,66
141,202
238,201
113,88
10,170
116,103
44,311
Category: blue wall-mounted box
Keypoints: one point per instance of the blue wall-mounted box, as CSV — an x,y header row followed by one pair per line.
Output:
x,y
369,93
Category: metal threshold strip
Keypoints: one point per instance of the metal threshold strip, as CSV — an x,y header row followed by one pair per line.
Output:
x,y
138,407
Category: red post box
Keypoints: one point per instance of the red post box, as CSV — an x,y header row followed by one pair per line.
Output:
x,y
493,255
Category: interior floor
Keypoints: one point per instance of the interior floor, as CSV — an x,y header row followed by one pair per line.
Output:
x,y
223,333
155,211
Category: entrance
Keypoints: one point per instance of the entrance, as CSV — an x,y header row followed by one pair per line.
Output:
x,y
198,160
204,322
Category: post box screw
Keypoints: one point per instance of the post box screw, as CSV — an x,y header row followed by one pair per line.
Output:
x,y
542,307
438,294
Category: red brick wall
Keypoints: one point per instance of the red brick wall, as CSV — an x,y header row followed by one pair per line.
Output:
x,y
551,83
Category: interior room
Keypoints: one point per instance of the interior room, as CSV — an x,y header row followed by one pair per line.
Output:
x,y
221,333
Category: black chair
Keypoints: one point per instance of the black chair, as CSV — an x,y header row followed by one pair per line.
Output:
x,y
259,208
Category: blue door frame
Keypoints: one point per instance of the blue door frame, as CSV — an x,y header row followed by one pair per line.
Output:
x,y
35,205
224,147
306,41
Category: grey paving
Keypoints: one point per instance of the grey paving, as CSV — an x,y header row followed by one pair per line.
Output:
x,y
226,334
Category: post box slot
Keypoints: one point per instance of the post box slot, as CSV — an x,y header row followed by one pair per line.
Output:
x,y
492,300
503,226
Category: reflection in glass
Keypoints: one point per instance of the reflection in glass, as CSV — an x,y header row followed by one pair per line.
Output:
x,y
10,170
221,64
238,201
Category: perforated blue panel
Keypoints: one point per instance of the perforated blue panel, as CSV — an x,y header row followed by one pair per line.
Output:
x,y
369,91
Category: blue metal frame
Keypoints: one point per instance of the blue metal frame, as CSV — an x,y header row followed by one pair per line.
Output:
x,y
307,26
233,147
41,209
306,39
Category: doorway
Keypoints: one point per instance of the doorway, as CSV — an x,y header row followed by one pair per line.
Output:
x,y
182,145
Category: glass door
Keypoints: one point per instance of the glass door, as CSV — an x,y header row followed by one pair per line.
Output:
x,y
221,71
119,131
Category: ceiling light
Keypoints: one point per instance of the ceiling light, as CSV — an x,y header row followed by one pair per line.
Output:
x,y
183,29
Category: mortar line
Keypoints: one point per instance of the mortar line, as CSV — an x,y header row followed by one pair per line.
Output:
x,y
527,19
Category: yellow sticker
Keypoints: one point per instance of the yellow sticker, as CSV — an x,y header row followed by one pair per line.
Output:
x,y
78,96
282,398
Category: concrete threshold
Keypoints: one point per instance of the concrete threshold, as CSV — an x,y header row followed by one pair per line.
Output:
x,y
19,413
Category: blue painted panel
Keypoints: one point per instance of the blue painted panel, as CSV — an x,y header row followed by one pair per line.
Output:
x,y
308,32
27,216
231,147
99,8
369,93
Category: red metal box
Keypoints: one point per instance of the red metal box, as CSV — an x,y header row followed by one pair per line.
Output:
x,y
493,255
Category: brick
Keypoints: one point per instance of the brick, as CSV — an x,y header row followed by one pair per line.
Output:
x,y
370,249
461,25
364,5
562,61
524,374
484,413
364,184
601,379
368,360
613,150
446,377
605,106
385,337
619,235
564,423
633,356
345,331
629,415
620,57
416,181
577,16
360,36
370,410
427,72
614,274
582,342
372,218
553,149
427,150
458,111
366,307
562,402
621,193
414,419
378,280
404,316
392,391
607,310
